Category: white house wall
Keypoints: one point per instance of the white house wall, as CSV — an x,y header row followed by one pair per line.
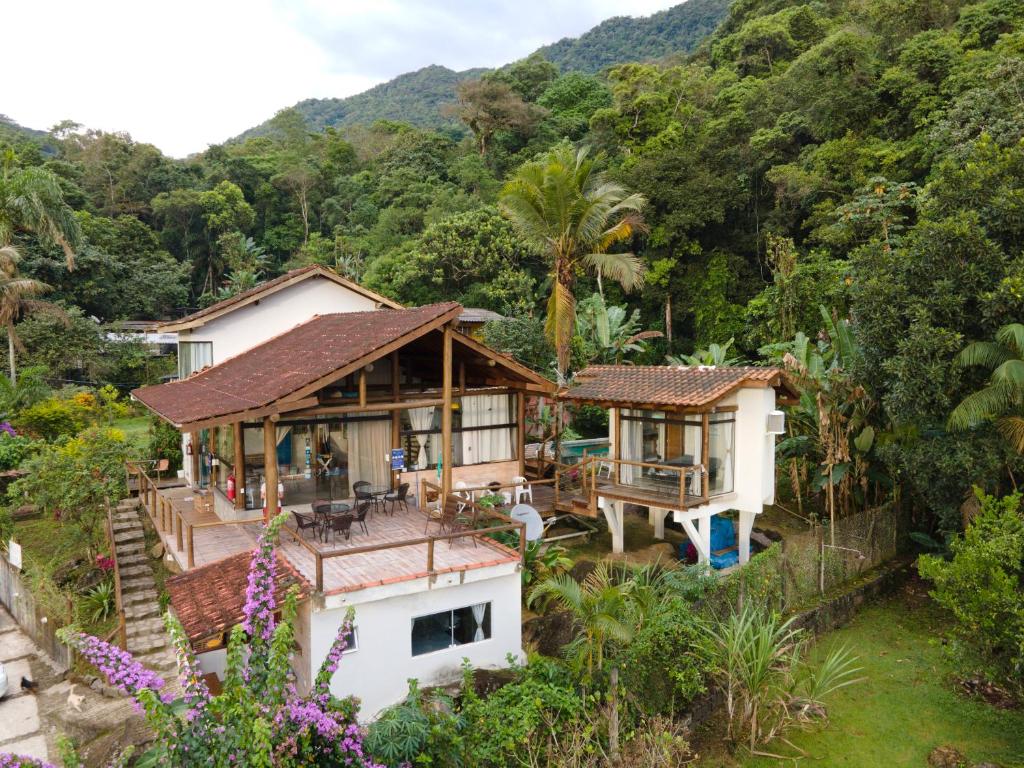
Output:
x,y
253,324
378,672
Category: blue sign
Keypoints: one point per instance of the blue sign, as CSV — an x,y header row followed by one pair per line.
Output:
x,y
397,459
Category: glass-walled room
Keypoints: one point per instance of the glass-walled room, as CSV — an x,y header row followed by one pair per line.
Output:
x,y
675,441
483,431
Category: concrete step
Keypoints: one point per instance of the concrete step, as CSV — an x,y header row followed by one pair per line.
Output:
x,y
126,537
131,571
137,583
145,626
133,547
126,525
143,609
135,558
162,661
139,596
146,643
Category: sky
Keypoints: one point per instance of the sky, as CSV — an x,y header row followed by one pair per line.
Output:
x,y
183,74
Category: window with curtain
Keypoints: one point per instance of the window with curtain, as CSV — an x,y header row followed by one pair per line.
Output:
x,y
449,629
483,430
657,437
193,356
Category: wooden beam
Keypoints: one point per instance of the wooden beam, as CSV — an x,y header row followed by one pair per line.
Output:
x,y
705,447
521,432
239,465
504,361
194,442
252,414
446,414
330,410
462,377
270,468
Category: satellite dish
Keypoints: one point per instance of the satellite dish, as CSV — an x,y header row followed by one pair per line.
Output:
x,y
524,513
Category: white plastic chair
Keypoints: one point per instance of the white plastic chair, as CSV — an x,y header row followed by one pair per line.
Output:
x,y
462,493
522,488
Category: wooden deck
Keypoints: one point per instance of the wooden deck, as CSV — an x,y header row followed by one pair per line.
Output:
x,y
213,539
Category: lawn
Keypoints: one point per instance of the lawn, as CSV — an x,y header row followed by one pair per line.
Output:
x,y
135,428
905,708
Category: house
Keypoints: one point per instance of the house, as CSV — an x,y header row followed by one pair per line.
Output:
x,y
243,321
473,319
693,441
342,407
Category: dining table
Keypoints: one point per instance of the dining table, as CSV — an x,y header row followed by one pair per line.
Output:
x,y
323,512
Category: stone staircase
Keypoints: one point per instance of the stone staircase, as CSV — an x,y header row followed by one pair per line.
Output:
x,y
147,638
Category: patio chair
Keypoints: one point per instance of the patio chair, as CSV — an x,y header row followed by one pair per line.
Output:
x,y
460,524
361,491
303,521
340,524
361,511
522,488
446,516
398,497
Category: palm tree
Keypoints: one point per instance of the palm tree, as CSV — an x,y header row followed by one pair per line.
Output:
x,y
601,607
31,201
574,215
17,299
610,331
1002,399
715,354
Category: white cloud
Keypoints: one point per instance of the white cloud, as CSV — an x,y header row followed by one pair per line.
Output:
x,y
189,73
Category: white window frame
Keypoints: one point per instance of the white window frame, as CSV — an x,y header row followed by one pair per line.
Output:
x,y
451,628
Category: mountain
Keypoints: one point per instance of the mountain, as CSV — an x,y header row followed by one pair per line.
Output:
x,y
417,97
625,38
11,131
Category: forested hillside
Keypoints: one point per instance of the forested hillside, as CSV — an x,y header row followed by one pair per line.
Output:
x,y
679,29
418,97
858,158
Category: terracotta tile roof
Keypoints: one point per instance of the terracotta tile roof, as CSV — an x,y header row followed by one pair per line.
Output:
x,y
288,362
270,286
209,600
669,385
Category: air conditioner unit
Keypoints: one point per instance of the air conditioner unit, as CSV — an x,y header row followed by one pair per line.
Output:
x,y
776,423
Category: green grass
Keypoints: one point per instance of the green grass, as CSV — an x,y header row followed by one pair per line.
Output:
x,y
905,708
135,428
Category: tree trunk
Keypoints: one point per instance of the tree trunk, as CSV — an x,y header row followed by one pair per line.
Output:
x,y
668,321
613,718
10,350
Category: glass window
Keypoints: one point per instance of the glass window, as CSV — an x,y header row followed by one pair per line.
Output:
x,y
193,356
483,430
448,629
720,453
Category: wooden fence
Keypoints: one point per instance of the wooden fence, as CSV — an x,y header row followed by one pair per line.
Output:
x,y
39,626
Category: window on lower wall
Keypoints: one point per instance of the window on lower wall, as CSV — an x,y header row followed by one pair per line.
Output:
x,y
448,629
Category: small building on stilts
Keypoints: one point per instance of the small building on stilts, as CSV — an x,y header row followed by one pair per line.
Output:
x,y
690,441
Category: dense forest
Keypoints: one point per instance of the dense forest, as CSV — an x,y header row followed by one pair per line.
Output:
x,y
417,97
811,162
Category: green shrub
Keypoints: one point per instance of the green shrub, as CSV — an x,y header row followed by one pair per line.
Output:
x,y
660,667
100,602
164,443
59,416
14,449
981,585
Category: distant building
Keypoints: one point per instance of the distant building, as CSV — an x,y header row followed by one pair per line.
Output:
x,y
473,319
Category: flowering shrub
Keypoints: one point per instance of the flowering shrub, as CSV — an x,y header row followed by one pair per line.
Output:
x,y
18,761
104,563
259,720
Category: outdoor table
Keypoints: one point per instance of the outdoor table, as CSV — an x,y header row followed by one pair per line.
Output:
x,y
377,492
323,516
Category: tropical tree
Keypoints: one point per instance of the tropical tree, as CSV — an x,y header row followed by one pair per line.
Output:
x,y
18,299
715,354
610,332
600,605
1002,399
573,214
31,201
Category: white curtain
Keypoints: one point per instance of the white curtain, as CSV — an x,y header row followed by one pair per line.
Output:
x,y
720,449
631,446
479,611
693,442
369,448
482,445
421,418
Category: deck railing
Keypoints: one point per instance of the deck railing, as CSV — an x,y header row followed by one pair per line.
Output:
x,y
167,519
508,524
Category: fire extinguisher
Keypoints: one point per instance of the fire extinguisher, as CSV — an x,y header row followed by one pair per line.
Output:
x,y
231,487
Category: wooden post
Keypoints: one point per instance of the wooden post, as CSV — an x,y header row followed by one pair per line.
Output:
x,y
522,544
178,531
613,446
521,431
270,467
446,415
362,386
193,438
239,437
704,458
319,572
430,556
462,377
191,546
